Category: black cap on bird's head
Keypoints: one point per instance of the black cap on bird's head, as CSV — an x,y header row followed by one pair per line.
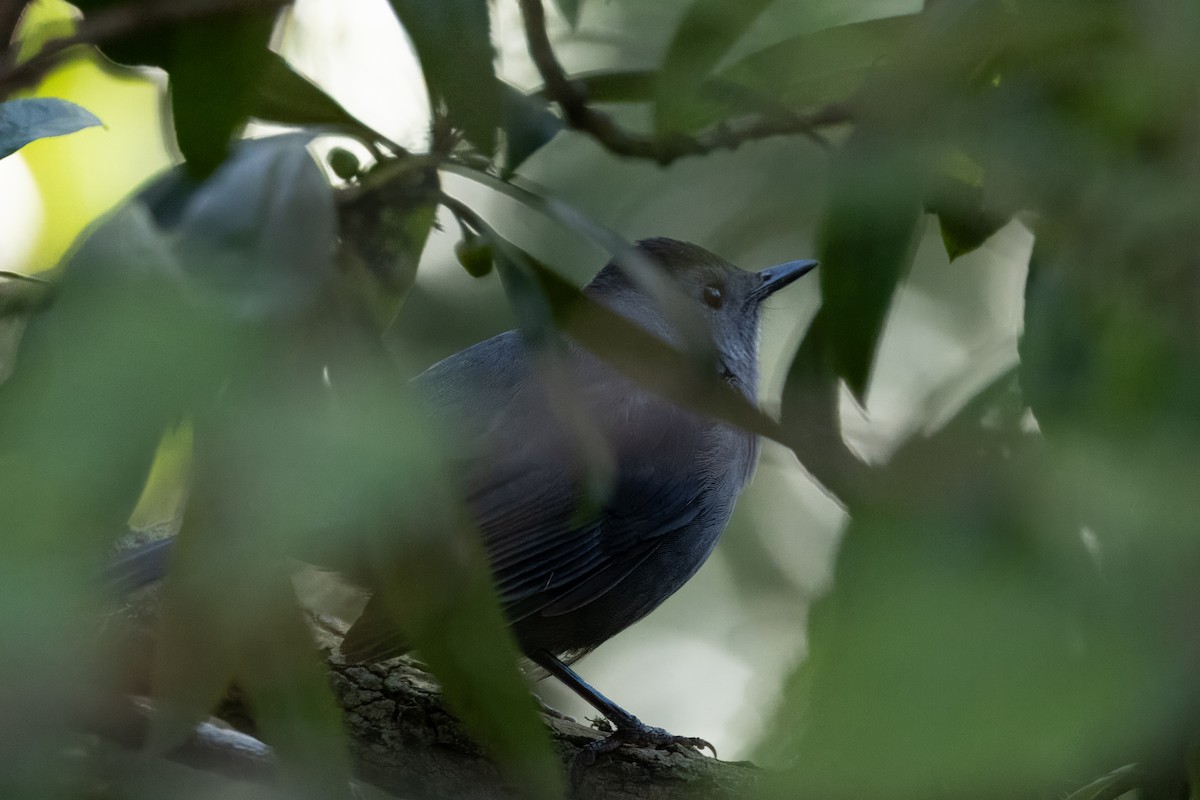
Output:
x,y
730,296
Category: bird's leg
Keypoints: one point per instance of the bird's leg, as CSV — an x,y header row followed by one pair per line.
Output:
x,y
628,728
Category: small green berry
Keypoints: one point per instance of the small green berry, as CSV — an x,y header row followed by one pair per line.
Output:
x,y
344,163
475,255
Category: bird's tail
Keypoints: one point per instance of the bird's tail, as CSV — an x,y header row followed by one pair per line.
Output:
x,y
138,566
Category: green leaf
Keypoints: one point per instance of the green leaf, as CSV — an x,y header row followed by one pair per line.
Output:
x,y
214,65
284,95
817,68
967,641
866,244
528,124
383,227
966,221
1111,786
810,414
706,33
25,121
139,47
287,688
367,481
619,86
683,377
111,363
117,358
453,41
442,596
517,270
215,70
570,10
644,357
229,614
257,238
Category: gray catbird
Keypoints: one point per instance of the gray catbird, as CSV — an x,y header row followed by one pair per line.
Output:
x,y
569,581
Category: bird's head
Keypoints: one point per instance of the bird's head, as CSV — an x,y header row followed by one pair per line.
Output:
x,y
729,299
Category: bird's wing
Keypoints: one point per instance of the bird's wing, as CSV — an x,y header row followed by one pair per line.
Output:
x,y
549,554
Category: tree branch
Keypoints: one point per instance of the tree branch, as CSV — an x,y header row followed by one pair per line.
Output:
x,y
114,23
571,98
406,742
401,736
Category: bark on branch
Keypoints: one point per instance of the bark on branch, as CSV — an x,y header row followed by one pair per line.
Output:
x,y
402,738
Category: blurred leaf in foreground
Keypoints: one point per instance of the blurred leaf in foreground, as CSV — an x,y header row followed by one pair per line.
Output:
x,y
24,121
707,31
867,241
967,648
453,40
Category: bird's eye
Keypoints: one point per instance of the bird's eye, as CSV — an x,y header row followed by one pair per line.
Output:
x,y
712,296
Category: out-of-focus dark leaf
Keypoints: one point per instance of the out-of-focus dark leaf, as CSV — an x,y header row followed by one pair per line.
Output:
x,y
810,417
867,240
284,95
25,121
1061,365
215,70
229,615
706,33
645,358
257,238
288,689
517,272
650,277
442,596
117,358
965,642
528,124
385,221
214,63
570,10
203,633
1111,786
619,86
113,361
820,67
966,221
360,480
453,41
254,246
149,48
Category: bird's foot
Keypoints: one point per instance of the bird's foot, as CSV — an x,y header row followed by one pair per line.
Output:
x,y
632,731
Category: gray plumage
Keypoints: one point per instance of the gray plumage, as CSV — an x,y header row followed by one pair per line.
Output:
x,y
569,579
573,565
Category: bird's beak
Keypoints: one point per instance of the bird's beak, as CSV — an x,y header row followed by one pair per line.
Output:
x,y
772,279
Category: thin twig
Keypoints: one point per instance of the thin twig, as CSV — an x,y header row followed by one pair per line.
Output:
x,y
114,23
572,99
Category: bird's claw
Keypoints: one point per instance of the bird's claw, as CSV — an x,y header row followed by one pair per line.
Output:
x,y
638,734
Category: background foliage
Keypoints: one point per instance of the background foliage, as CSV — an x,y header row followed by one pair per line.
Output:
x,y
1010,611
